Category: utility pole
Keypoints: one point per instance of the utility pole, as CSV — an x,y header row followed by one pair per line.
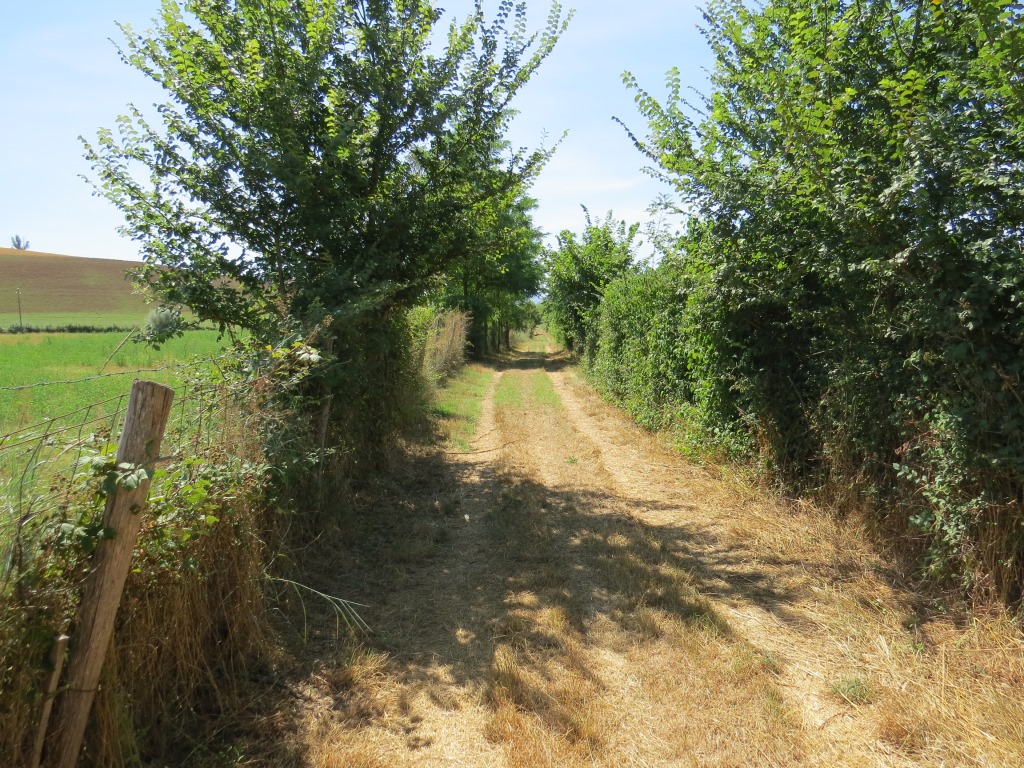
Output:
x,y
20,324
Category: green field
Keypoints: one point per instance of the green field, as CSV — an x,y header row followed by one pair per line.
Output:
x,y
31,358
57,290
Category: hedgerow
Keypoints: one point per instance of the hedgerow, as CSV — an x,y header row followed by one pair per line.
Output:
x,y
847,303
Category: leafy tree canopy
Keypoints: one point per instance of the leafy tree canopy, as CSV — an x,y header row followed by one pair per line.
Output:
x,y
317,156
497,272
579,269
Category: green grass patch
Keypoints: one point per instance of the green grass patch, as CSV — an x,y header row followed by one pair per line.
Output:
x,y
33,358
525,343
509,393
520,389
542,392
852,690
458,403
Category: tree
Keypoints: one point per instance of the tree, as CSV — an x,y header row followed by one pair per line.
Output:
x,y
579,269
318,157
18,244
497,273
856,184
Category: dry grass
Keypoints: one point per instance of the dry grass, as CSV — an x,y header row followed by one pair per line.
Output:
x,y
191,619
940,689
183,646
444,348
937,682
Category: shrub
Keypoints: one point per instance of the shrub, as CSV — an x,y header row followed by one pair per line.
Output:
x,y
160,325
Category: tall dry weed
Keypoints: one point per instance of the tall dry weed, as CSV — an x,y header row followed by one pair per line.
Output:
x,y
444,349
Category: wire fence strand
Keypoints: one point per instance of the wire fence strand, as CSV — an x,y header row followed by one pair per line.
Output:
x,y
41,465
40,424
133,371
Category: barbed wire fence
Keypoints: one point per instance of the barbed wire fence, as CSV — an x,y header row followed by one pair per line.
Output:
x,y
51,511
201,562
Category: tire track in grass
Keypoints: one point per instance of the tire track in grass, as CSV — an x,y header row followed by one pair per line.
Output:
x,y
565,593
742,590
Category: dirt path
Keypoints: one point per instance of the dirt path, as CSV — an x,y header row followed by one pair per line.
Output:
x,y
570,593
766,607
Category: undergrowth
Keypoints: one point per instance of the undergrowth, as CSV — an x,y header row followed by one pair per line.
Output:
x,y
190,618
249,481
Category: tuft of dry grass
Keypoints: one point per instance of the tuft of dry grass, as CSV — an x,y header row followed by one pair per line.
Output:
x,y
955,695
443,349
183,645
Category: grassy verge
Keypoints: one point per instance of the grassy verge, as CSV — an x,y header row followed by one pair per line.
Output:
x,y
457,405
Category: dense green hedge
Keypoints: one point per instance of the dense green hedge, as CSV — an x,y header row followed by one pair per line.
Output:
x,y
637,352
847,303
917,433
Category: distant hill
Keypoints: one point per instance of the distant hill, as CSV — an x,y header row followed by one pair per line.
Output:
x,y
63,290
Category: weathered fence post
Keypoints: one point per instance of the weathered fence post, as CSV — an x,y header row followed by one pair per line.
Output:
x,y
148,408
60,645
325,423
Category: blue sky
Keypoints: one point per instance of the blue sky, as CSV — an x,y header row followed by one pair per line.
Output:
x,y
60,77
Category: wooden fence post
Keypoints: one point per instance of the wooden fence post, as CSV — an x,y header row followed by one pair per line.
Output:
x,y
148,409
325,423
60,645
